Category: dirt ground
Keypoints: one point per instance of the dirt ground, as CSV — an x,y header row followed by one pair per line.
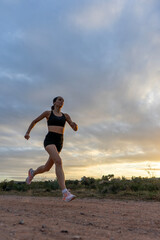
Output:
x,y
47,218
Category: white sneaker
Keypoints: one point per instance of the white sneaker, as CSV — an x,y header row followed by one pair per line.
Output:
x,y
30,176
67,196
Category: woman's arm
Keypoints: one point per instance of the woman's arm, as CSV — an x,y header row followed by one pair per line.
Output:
x,y
73,125
33,123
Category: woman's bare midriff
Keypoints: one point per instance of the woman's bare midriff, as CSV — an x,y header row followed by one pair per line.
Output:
x,y
56,129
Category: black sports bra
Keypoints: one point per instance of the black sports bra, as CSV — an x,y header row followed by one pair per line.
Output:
x,y
56,120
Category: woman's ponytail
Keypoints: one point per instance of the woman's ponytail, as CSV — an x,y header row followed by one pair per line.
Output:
x,y
54,100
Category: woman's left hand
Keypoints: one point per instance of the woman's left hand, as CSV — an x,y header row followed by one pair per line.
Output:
x,y
74,126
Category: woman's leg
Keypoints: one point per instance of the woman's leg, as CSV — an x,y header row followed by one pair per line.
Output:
x,y
44,168
52,151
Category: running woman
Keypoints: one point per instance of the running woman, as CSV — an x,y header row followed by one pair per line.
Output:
x,y
53,144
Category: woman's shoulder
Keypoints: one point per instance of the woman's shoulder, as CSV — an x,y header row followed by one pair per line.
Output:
x,y
66,116
47,113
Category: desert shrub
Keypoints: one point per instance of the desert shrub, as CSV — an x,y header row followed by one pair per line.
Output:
x,y
12,185
50,185
72,184
3,185
88,182
107,177
20,187
145,184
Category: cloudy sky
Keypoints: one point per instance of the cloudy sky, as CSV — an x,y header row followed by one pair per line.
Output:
x,y
102,57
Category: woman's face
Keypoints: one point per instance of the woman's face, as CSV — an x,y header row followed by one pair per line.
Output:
x,y
59,102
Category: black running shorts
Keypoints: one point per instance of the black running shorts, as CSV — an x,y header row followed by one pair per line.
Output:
x,y
54,138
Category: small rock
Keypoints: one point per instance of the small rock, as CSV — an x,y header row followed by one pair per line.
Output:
x,y
124,214
77,238
64,231
130,229
82,213
90,224
43,228
21,222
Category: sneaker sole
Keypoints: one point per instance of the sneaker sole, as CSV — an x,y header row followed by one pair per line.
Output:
x,y
29,176
70,199
29,172
28,183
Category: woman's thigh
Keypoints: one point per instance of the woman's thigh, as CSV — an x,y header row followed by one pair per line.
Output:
x,y
53,153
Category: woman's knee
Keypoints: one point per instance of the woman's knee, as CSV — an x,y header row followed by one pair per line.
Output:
x,y
52,150
58,161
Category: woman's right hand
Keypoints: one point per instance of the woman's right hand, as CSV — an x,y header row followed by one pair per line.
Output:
x,y
27,136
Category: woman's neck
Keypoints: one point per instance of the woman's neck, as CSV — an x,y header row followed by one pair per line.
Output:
x,y
57,110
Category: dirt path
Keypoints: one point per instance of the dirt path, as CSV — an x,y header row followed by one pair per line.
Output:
x,y
46,218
